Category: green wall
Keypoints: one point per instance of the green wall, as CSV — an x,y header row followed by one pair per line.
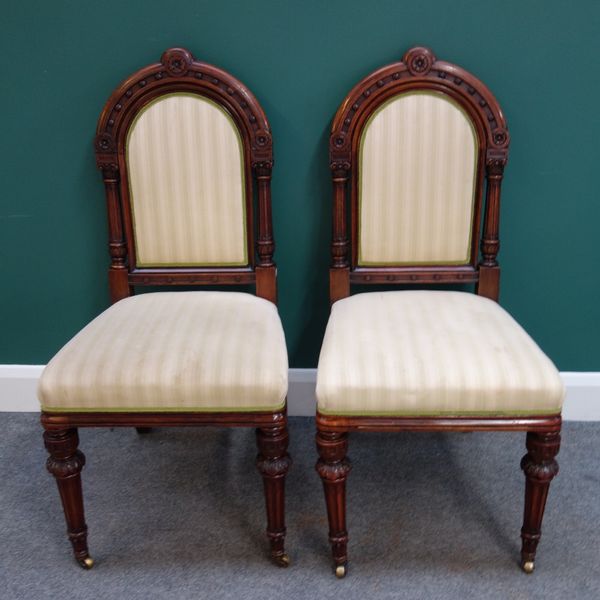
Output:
x,y
60,61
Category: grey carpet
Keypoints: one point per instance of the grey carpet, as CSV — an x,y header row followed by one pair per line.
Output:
x,y
179,514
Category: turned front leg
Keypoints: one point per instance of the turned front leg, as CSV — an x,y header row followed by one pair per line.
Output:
x,y
333,467
65,463
540,468
273,463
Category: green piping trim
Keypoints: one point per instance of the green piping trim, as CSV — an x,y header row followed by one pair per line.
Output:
x,y
150,409
159,265
467,261
245,262
466,413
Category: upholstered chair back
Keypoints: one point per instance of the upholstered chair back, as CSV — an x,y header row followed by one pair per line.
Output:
x,y
417,154
185,151
417,176
185,162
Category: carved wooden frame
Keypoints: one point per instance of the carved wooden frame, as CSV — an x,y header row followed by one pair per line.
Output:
x,y
178,71
418,70
421,70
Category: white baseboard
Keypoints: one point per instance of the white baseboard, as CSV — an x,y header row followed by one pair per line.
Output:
x,y
18,392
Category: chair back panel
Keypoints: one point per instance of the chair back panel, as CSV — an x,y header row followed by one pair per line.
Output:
x,y
417,154
416,182
185,164
186,155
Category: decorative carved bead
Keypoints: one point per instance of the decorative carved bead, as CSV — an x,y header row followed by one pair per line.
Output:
x,y
263,167
110,171
142,82
340,166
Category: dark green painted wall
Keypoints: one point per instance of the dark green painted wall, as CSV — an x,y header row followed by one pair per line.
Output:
x,y
60,61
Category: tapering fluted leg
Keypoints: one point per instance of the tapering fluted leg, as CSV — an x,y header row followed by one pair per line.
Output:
x,y
539,467
273,462
333,467
65,463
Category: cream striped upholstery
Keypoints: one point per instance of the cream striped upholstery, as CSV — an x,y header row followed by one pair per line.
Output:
x,y
417,182
186,177
173,351
431,353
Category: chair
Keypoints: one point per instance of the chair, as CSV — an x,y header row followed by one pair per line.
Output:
x,y
411,145
183,148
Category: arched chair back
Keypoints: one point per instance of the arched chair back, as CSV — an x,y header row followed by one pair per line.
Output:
x,y
183,146
411,148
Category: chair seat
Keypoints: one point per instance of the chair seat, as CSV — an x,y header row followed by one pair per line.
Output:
x,y
428,353
173,351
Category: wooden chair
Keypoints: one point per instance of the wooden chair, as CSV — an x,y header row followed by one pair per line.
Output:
x,y
412,145
183,147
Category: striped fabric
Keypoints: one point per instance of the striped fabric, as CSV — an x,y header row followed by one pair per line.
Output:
x,y
186,177
173,351
431,353
417,182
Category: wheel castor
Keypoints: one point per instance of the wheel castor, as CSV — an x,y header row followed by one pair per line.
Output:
x,y
281,560
528,566
340,571
86,563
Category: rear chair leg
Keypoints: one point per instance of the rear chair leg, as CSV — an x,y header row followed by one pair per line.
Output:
x,y
65,463
540,468
333,467
273,463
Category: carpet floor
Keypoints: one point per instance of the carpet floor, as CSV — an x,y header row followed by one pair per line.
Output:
x,y
179,513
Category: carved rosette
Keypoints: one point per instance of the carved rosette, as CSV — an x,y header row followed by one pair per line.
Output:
x,y
177,61
419,61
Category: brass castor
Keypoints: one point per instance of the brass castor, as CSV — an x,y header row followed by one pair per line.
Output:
x,y
281,560
86,563
340,571
528,566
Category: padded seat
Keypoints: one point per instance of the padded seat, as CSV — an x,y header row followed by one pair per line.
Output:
x,y
432,353
173,351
